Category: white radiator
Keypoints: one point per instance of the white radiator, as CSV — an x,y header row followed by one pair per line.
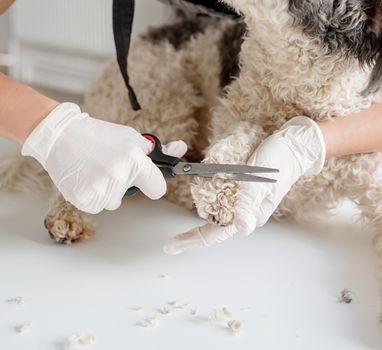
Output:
x,y
61,44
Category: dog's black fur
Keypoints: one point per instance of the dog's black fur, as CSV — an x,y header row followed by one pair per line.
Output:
x,y
350,27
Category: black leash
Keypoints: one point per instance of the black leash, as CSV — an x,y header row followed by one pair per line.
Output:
x,y
123,16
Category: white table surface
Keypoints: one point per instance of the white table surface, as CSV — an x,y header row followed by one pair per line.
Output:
x,y
281,282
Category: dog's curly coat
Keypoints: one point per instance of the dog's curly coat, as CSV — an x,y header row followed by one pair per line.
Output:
x,y
317,58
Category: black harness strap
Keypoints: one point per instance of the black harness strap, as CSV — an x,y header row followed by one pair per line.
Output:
x,y
123,15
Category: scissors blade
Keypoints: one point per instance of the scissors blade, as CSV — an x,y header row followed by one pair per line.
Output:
x,y
242,177
212,169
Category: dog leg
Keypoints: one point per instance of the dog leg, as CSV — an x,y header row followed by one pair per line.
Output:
x,y
66,224
215,198
360,179
311,197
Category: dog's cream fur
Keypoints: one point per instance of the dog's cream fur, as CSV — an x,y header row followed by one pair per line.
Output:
x,y
283,73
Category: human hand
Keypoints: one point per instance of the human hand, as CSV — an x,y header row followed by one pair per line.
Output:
x,y
93,162
297,149
4,5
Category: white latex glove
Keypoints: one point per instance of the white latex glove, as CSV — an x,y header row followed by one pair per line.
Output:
x,y
93,162
297,149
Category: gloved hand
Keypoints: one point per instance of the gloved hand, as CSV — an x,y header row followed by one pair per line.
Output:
x,y
93,162
297,149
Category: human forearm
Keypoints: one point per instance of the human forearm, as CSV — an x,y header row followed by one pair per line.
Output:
x,y
4,4
357,133
21,109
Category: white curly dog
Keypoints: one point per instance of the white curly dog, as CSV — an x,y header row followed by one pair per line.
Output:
x,y
223,86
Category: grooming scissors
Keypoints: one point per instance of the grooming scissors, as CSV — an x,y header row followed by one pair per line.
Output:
x,y
173,166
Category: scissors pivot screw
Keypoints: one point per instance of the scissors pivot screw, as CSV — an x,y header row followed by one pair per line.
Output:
x,y
187,168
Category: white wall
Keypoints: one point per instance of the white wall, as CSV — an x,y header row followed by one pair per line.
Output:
x,y
4,32
83,25
62,43
149,13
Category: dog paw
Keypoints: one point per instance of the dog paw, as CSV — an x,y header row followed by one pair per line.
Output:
x,y
215,198
66,224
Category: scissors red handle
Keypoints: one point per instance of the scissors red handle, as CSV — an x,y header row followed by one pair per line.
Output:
x,y
165,162
157,155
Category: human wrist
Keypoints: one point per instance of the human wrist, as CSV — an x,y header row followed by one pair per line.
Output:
x,y
326,128
42,138
307,142
21,109
38,112
4,5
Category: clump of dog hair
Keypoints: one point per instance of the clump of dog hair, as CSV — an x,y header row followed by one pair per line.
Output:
x,y
226,311
165,310
23,327
81,338
223,315
180,306
16,300
150,322
137,308
218,315
346,297
234,326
